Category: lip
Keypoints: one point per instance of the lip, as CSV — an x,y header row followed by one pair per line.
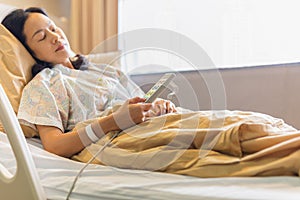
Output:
x,y
60,47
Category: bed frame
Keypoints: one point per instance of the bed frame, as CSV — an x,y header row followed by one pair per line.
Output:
x,y
25,179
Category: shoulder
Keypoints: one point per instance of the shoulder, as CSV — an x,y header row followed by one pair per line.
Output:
x,y
46,74
45,77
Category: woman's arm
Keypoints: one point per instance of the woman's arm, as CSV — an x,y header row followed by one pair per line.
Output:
x,y
132,112
70,143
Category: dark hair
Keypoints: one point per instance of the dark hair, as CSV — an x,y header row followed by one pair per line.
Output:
x,y
15,22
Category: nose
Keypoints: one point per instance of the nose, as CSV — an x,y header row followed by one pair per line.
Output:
x,y
54,37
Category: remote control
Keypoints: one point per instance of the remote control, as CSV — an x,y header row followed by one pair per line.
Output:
x,y
159,87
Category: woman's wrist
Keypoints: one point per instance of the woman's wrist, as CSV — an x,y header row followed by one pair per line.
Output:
x,y
97,129
90,132
106,124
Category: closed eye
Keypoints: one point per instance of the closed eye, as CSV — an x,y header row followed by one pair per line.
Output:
x,y
53,29
44,37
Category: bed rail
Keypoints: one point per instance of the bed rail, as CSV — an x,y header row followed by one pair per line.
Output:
x,y
25,183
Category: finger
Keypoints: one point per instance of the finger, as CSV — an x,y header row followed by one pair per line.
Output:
x,y
146,106
133,100
163,108
168,106
149,113
136,100
174,108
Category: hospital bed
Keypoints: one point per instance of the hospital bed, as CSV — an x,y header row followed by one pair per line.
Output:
x,y
38,174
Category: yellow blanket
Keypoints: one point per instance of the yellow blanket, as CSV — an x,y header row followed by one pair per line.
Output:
x,y
204,144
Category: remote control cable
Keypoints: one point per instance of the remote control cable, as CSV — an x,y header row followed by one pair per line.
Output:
x,y
89,162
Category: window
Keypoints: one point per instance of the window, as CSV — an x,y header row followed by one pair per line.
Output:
x,y
225,33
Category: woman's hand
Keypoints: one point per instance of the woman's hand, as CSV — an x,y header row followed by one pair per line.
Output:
x,y
132,112
162,106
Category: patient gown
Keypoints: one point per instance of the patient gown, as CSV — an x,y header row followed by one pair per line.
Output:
x,y
62,97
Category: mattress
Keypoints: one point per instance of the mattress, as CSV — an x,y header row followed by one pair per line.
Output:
x,y
105,182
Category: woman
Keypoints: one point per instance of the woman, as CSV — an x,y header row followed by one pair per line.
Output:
x,y
66,91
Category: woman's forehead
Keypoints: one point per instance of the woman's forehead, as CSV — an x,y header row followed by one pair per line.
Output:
x,y
35,22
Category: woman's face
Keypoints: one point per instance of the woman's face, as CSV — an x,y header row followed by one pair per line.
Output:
x,y
47,41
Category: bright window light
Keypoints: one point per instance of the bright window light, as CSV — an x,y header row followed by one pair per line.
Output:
x,y
232,33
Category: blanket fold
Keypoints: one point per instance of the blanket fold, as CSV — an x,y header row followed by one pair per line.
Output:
x,y
204,144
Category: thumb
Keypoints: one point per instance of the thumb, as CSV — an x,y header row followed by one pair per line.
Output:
x,y
146,106
136,100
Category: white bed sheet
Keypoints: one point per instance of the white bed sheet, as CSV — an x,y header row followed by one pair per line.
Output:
x,y
103,182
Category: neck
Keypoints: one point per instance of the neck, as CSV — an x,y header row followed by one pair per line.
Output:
x,y
68,64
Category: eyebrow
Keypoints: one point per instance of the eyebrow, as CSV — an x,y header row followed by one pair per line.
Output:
x,y
40,30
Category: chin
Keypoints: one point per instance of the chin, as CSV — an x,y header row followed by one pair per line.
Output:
x,y
63,55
